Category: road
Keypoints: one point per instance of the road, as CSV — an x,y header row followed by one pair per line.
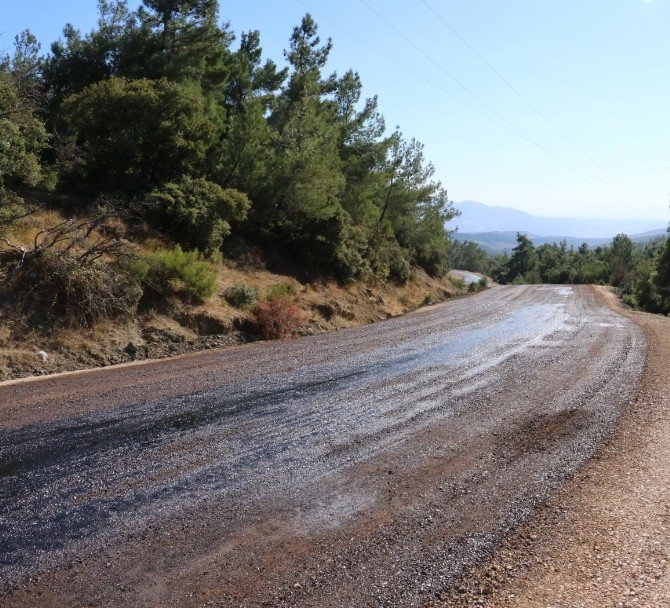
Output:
x,y
466,276
365,467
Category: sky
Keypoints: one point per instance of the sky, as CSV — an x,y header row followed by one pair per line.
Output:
x,y
555,108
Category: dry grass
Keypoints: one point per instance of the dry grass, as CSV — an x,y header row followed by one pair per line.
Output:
x,y
326,305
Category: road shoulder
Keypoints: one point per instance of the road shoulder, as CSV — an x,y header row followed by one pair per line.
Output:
x,y
602,540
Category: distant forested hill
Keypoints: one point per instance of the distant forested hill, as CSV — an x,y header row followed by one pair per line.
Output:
x,y
501,242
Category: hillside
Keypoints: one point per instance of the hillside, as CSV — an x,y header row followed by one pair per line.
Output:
x,y
171,320
180,184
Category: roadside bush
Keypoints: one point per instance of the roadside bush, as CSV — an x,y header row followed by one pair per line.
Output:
x,y
428,299
241,296
185,272
331,244
479,285
630,299
400,269
278,318
58,286
388,260
457,282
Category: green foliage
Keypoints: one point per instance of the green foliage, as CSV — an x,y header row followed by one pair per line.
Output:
x,y
416,207
22,138
521,266
198,213
399,266
620,259
661,279
138,134
331,243
642,273
185,272
428,299
466,255
241,296
457,282
154,105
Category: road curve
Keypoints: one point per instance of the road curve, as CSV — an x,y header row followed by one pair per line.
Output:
x,y
364,467
466,276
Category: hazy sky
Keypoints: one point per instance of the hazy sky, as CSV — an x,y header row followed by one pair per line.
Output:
x,y
598,70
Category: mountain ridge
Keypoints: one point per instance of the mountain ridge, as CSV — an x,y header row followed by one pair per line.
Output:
x,y
480,218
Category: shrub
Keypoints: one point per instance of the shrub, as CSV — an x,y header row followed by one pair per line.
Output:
x,y
58,285
428,299
457,282
278,318
197,213
482,283
400,269
241,296
186,272
330,243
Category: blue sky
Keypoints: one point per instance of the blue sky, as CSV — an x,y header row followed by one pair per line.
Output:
x,y
597,70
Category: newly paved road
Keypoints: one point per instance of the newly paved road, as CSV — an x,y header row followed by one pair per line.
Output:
x,y
361,467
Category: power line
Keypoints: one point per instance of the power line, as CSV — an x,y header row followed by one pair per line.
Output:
x,y
411,70
533,107
579,172
501,121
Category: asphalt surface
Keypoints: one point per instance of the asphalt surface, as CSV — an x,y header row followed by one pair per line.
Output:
x,y
466,276
364,467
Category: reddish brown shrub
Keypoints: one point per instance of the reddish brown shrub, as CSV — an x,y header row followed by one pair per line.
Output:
x,y
278,318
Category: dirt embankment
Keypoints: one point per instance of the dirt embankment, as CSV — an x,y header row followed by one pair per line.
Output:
x,y
604,539
182,328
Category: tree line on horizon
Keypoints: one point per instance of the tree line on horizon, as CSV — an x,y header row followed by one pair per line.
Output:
x,y
640,272
205,139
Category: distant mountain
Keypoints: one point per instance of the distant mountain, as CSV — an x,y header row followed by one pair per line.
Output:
x,y
478,217
504,241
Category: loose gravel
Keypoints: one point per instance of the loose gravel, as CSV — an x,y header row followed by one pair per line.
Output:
x,y
603,541
367,467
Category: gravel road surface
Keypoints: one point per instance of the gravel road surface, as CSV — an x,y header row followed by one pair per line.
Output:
x,y
465,276
603,539
364,467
